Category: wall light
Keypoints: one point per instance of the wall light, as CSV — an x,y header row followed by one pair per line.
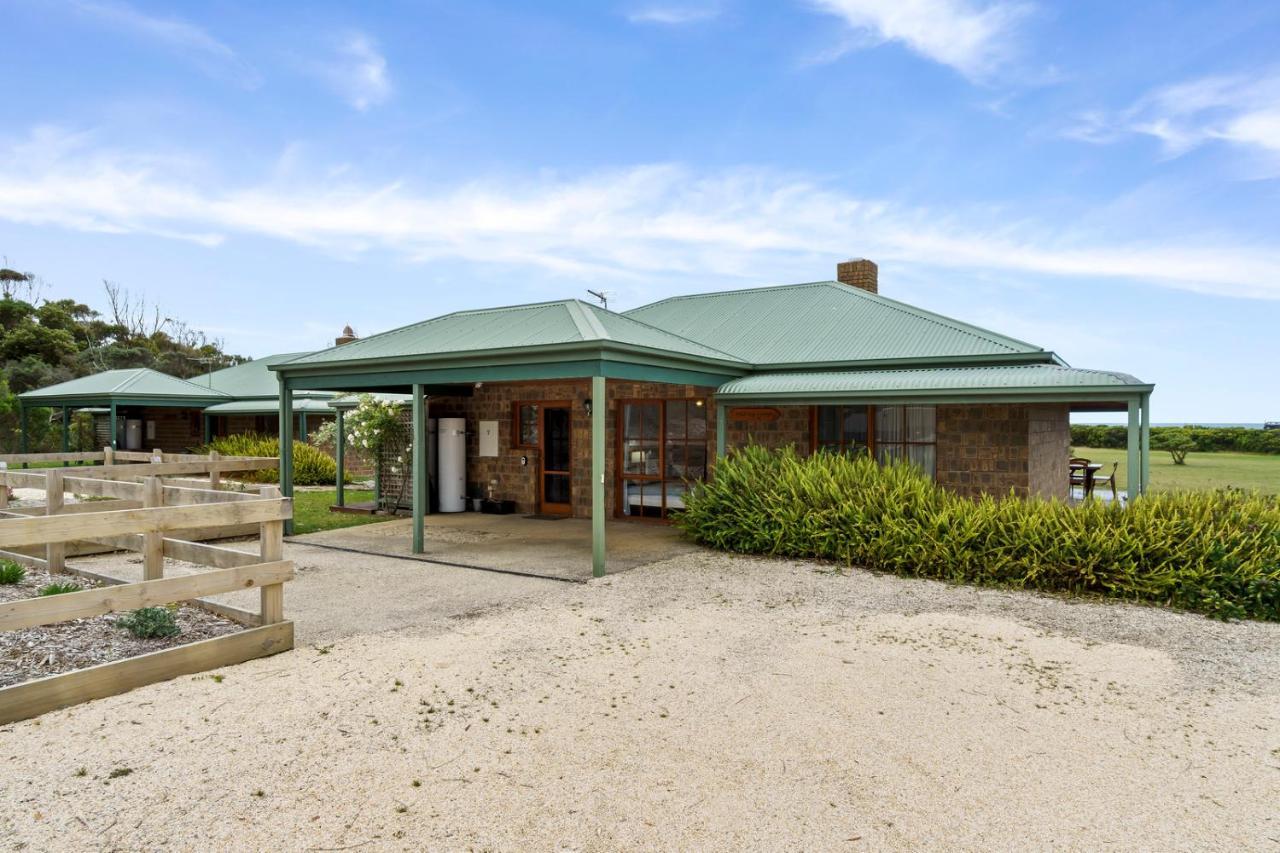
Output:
x,y
587,405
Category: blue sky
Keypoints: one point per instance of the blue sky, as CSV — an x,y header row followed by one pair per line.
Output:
x,y
1102,179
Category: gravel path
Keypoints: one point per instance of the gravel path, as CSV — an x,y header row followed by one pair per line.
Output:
x,y
707,701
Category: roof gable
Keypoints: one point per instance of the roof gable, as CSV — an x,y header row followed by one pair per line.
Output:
x,y
137,382
823,322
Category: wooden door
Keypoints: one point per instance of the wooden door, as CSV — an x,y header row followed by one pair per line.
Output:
x,y
556,476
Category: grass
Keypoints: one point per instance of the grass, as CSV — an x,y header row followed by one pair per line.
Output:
x,y
1203,471
311,511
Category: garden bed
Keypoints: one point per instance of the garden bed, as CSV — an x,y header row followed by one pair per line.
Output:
x,y
76,644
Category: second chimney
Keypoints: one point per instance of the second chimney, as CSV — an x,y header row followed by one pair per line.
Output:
x,y
347,336
860,273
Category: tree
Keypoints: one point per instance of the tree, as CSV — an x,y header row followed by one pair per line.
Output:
x,y
1177,441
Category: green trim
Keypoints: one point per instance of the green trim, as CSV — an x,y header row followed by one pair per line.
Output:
x,y
1146,442
418,458
99,400
1083,394
66,431
1134,452
339,456
286,450
600,405
980,360
114,417
722,417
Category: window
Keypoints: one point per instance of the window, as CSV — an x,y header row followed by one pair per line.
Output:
x,y
888,432
524,424
662,444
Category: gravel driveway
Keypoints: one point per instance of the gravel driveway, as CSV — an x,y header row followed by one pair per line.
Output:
x,y
707,701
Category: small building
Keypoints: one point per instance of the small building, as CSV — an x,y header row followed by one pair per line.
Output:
x,y
577,410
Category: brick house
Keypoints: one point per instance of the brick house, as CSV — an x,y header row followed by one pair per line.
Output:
x,y
602,414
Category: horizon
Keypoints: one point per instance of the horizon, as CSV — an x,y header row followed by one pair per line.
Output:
x,y
1099,182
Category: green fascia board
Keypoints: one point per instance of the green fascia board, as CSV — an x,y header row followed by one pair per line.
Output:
x,y
1037,357
140,402
1009,395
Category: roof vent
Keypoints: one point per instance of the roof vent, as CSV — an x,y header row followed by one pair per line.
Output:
x,y
347,336
860,273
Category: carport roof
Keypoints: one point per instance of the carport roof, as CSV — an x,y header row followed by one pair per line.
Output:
x,y
138,385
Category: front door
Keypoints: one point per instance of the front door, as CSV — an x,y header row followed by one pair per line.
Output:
x,y
557,456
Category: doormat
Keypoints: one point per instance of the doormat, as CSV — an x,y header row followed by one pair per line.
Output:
x,y
538,516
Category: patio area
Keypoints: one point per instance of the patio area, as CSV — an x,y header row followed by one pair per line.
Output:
x,y
558,548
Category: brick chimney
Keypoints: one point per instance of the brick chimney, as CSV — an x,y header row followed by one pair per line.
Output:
x,y
859,272
346,337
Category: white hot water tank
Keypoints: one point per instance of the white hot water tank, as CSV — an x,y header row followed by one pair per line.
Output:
x,y
452,458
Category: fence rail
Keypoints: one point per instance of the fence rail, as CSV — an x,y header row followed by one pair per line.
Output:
x,y
141,508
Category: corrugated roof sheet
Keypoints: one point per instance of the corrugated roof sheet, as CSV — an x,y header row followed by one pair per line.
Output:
x,y
544,324
130,382
1013,377
270,406
251,379
822,321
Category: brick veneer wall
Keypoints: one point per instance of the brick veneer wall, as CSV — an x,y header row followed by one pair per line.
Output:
x,y
1049,450
514,481
995,449
793,427
177,430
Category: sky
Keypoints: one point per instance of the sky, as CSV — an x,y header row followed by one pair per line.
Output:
x,y
1099,178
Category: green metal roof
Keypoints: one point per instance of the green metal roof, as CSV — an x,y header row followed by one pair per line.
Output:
x,y
250,380
827,322
270,406
1030,380
350,401
138,383
547,324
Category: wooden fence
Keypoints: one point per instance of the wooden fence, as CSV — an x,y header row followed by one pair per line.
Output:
x,y
139,511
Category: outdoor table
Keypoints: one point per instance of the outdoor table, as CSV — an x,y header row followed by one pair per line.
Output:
x,y
1088,469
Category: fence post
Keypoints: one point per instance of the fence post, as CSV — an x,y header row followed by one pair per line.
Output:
x,y
271,539
108,455
152,540
54,552
157,455
4,485
215,477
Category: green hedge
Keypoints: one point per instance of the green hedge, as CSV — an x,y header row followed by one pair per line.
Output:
x,y
1213,552
311,466
1206,439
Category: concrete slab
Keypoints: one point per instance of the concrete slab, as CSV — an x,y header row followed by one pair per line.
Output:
x,y
558,548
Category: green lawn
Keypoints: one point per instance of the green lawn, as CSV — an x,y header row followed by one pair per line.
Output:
x,y
1203,471
311,511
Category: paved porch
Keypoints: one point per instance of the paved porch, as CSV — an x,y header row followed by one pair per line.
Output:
x,y
517,544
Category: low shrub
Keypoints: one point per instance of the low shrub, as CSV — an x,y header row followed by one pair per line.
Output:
x,y
11,572
311,466
149,622
1203,439
1216,553
58,588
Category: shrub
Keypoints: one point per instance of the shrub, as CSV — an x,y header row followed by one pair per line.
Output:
x,y
149,622
1213,552
311,466
57,588
1205,439
11,572
1178,442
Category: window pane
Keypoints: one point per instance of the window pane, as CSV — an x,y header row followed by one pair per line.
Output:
x,y
528,426
676,419
697,411
920,421
649,421
632,416
923,456
829,427
888,424
854,427
695,462
888,453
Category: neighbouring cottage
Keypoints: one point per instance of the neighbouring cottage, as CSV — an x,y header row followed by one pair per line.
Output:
x,y
574,409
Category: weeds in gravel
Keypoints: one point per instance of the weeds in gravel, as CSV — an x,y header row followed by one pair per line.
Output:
x,y
1216,553
58,588
149,622
119,771
11,572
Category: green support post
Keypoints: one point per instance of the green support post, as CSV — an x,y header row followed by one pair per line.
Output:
x,y
339,457
720,430
418,459
1146,443
286,448
22,429
1134,471
599,406
66,433
115,427
302,427
208,428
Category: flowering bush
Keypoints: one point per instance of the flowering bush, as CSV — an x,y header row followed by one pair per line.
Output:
x,y
376,427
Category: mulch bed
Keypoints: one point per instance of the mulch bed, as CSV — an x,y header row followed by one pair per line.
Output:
x,y
80,643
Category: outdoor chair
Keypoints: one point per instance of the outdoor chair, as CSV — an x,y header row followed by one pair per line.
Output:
x,y
1078,474
1110,479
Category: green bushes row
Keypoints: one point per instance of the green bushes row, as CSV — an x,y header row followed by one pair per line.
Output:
x,y
311,466
1217,553
1205,439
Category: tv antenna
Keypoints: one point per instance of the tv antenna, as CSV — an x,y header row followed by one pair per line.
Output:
x,y
602,295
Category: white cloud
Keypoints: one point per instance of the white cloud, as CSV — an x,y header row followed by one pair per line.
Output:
x,y
1240,110
674,14
357,71
634,223
974,39
185,39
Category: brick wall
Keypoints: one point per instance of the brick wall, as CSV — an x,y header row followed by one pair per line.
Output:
x,y
793,426
983,449
1049,430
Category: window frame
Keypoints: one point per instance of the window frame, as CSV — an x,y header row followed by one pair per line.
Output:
x,y
517,425
621,477
873,443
